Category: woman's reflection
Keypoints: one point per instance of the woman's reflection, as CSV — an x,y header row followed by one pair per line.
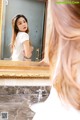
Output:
x,y
21,47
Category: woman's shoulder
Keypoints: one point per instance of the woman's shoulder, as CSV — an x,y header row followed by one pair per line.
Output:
x,y
23,34
54,109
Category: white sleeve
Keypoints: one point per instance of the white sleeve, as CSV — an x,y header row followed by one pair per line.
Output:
x,y
24,37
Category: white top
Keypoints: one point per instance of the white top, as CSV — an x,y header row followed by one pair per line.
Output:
x,y
54,109
18,48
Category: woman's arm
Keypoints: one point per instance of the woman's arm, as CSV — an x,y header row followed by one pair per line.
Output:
x,y
13,36
27,49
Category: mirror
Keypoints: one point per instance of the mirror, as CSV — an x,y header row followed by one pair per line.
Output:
x,y
35,12
24,69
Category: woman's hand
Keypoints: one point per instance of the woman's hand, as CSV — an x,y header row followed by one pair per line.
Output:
x,y
43,63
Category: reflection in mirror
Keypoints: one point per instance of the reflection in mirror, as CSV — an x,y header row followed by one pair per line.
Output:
x,y
34,10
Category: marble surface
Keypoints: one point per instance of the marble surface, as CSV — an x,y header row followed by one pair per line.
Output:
x,y
15,102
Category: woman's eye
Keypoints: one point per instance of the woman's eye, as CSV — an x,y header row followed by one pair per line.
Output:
x,y
24,21
19,23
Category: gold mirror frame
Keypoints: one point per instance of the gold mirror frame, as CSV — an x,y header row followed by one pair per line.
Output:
x,y
24,69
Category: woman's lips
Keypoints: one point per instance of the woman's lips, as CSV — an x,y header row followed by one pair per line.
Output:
x,y
24,28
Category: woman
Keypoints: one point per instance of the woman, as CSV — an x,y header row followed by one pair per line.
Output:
x,y
20,43
63,102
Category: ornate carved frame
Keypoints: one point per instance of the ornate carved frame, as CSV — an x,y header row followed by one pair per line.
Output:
x,y
23,69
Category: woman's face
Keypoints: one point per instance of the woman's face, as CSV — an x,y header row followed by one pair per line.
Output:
x,y
22,24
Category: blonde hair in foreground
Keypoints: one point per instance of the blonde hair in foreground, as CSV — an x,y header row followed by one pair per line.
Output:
x,y
64,51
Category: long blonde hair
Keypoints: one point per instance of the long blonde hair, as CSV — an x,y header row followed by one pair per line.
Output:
x,y
64,51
